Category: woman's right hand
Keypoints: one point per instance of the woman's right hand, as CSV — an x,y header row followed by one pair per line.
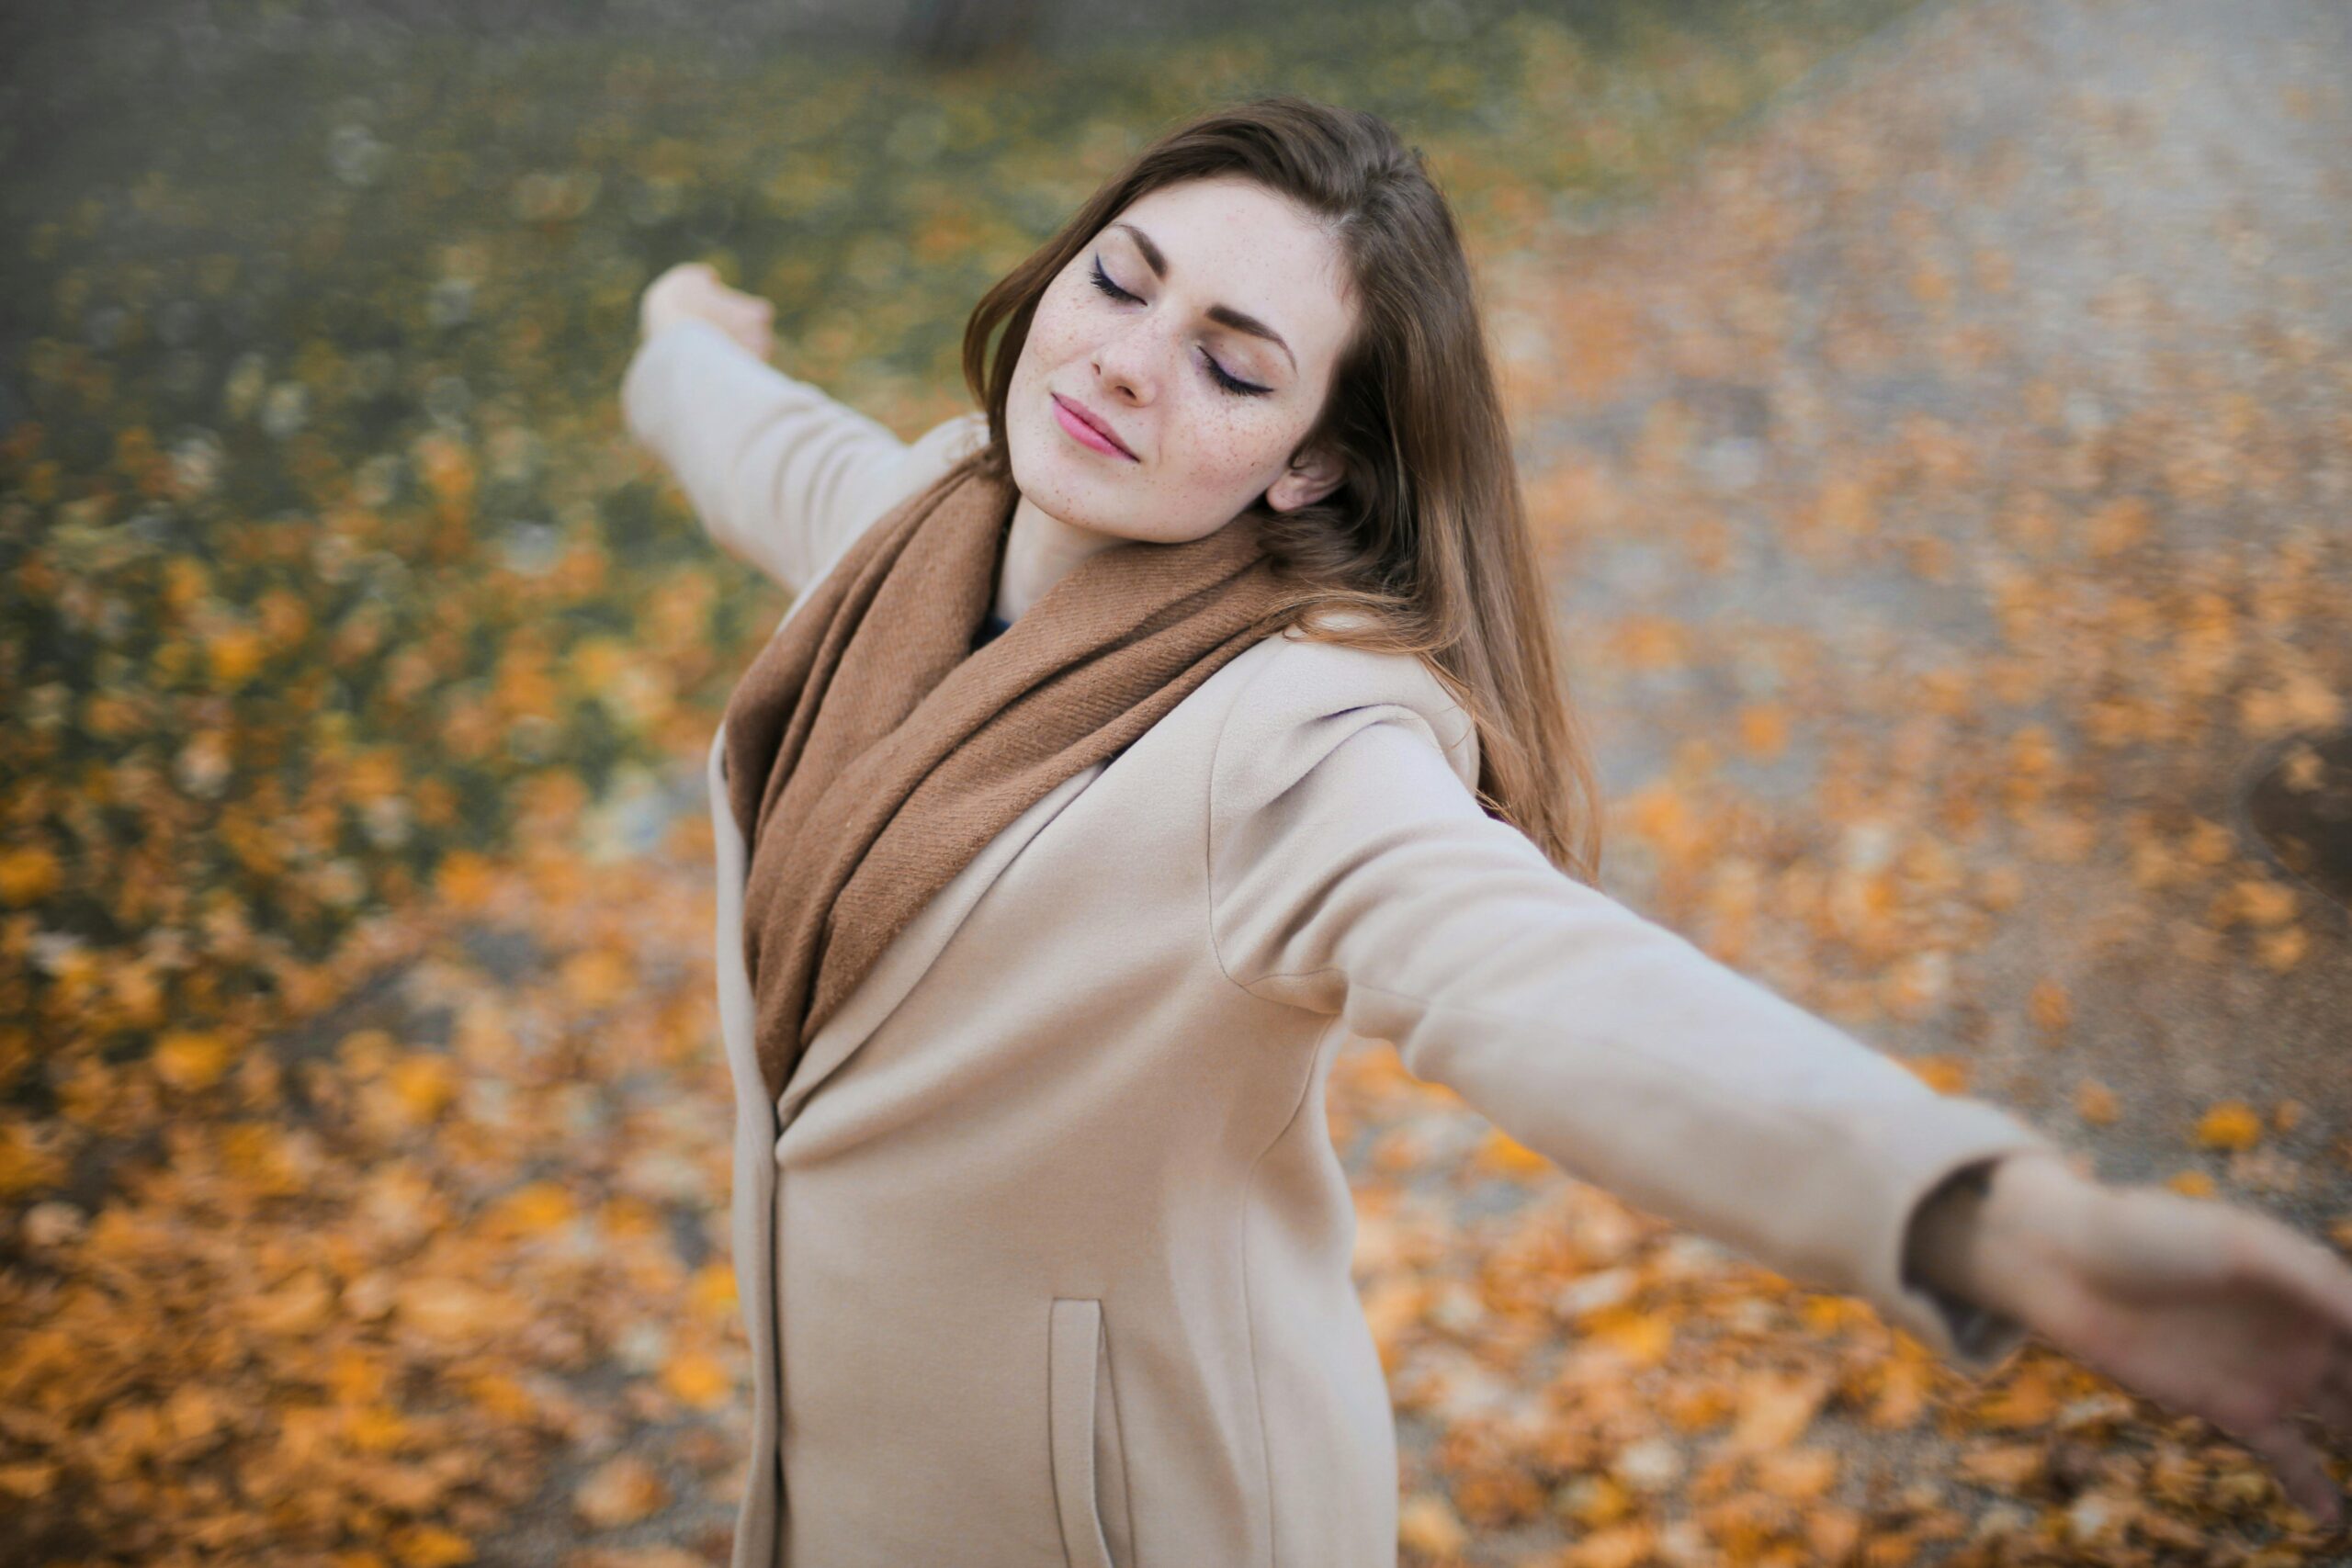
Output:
x,y
693,289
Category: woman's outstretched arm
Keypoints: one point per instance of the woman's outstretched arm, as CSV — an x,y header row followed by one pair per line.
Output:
x,y
782,474
1353,871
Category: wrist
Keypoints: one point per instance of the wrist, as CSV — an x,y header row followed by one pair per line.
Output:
x,y
1997,1241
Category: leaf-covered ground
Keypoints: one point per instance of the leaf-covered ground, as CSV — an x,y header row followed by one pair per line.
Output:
x,y
1946,480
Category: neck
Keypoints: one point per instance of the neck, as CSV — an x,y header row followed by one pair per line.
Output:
x,y
1038,548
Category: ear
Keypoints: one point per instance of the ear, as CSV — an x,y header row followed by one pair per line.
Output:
x,y
1312,475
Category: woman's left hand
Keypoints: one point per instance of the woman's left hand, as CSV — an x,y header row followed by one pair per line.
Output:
x,y
2211,1309
693,289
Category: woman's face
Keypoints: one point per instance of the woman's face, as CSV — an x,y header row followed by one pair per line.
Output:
x,y
1208,366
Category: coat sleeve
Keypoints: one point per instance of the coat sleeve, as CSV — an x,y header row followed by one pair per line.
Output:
x,y
782,476
1352,871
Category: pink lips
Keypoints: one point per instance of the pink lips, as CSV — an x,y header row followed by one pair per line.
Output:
x,y
1083,430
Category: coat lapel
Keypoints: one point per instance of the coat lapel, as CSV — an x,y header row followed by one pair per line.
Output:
x,y
901,965
731,862
759,1518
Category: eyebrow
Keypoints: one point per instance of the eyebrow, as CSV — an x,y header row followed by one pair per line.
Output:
x,y
1223,315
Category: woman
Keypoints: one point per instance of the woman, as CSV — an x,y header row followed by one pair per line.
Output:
x,y
1130,744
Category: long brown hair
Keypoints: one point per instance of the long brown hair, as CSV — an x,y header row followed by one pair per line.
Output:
x,y
1428,532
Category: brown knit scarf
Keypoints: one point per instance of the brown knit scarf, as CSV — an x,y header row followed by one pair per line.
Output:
x,y
871,752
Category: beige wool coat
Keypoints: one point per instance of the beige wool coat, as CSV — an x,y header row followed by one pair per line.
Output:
x,y
1045,1250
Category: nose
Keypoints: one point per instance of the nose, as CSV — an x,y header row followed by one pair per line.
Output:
x,y
1128,362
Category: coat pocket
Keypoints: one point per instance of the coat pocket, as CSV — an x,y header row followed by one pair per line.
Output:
x,y
1082,1421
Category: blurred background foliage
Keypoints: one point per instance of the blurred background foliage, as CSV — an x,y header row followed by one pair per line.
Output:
x,y
323,564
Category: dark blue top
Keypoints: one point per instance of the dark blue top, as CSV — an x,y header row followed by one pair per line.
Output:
x,y
989,629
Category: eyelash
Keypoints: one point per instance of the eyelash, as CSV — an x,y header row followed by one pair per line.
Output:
x,y
1102,281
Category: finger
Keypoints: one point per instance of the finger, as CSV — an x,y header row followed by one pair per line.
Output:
x,y
2315,1275
2301,1472
2332,1400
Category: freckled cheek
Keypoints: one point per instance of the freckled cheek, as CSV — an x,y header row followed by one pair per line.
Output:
x,y
1054,338
1229,453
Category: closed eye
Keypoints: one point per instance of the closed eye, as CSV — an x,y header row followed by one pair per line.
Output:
x,y
1216,372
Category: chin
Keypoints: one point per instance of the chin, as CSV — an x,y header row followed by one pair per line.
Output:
x,y
1063,483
